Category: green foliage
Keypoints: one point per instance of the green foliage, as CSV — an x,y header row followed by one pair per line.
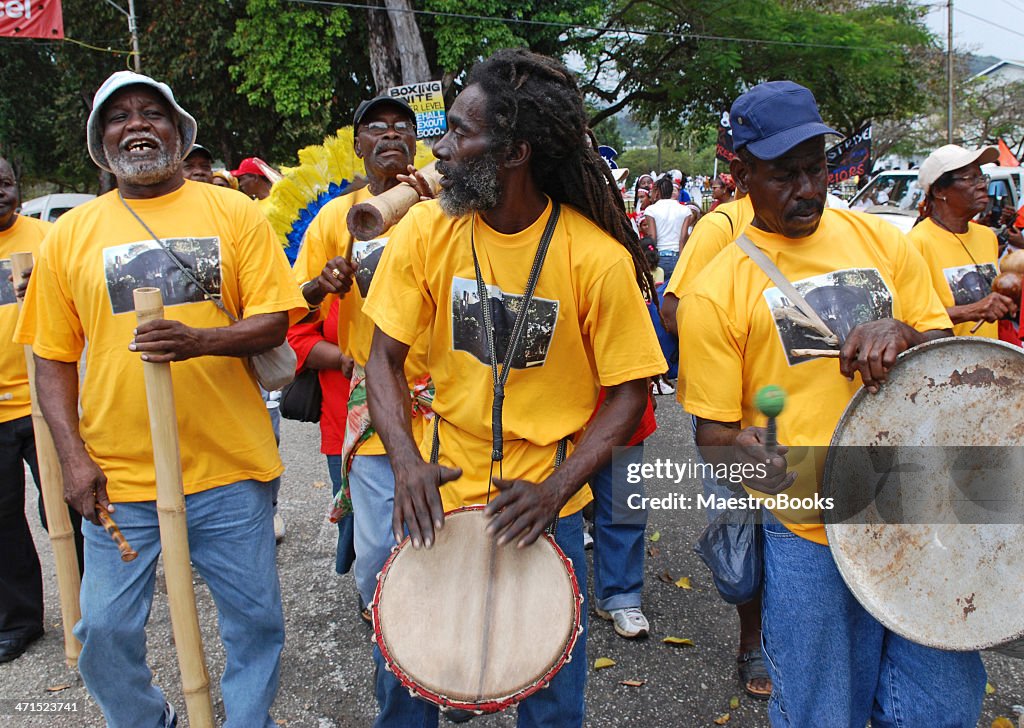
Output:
x,y
288,54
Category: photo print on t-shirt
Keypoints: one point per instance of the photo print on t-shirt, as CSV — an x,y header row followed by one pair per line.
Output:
x,y
468,324
842,299
366,256
970,283
145,263
7,296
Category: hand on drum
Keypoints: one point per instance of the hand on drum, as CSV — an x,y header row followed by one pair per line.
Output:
x,y
522,510
418,502
872,348
751,450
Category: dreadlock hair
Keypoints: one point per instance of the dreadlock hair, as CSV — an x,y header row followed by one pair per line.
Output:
x,y
535,98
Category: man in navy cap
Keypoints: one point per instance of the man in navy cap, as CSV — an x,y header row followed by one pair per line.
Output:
x,y
831,663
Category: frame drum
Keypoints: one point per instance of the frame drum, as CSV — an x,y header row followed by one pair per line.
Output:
x,y
933,548
469,624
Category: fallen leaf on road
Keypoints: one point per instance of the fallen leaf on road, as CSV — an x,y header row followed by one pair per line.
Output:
x,y
319,484
666,577
989,688
656,536
678,641
1002,722
653,551
722,719
684,583
602,662
734,702
632,683
57,688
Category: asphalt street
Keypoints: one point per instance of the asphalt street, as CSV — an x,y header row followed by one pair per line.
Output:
x,y
326,675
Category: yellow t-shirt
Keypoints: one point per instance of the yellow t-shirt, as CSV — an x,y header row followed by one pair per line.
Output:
x,y
588,328
328,237
24,236
81,291
962,267
739,330
710,235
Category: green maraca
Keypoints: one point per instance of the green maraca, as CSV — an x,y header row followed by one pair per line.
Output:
x,y
769,401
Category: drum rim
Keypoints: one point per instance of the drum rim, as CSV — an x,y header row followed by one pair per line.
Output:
x,y
492,705
859,591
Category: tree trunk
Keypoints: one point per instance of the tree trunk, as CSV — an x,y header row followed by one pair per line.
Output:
x,y
383,49
411,53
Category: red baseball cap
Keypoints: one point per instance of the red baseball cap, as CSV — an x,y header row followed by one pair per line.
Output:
x,y
248,166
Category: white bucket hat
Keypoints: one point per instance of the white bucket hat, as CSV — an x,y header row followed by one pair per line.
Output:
x,y
951,157
117,81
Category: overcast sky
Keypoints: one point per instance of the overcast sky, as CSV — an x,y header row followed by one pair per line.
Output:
x,y
999,31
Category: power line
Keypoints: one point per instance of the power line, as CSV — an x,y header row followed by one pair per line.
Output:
x,y
597,29
987,21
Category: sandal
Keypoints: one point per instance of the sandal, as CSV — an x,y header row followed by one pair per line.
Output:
x,y
751,667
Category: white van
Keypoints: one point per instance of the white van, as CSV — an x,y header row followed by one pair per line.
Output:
x,y
50,207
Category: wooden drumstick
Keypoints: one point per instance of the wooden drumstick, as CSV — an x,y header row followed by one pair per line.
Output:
x,y
974,329
769,401
127,552
170,508
827,353
58,520
370,219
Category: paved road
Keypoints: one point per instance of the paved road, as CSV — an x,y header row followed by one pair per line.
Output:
x,y
327,672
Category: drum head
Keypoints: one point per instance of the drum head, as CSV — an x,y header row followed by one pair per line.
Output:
x,y
938,575
470,624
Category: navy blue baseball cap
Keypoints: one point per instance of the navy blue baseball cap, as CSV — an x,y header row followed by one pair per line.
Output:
x,y
773,117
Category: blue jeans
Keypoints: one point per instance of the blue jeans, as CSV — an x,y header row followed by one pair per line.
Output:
x,y
560,705
618,534
345,554
667,260
373,502
231,539
833,664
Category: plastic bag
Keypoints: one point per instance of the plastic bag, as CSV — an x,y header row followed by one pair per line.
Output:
x,y
732,546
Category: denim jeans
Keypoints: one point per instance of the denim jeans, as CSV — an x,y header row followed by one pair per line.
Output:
x,y
833,664
231,539
373,502
345,554
667,260
560,705
618,533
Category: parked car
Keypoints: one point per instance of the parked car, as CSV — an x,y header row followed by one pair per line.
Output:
x,y
50,207
894,195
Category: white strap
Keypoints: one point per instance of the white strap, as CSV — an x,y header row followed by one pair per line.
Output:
x,y
771,270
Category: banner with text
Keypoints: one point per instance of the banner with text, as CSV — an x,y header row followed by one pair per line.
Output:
x,y
850,157
427,101
724,149
31,19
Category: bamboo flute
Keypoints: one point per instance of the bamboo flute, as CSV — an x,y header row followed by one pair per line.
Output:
x,y
58,521
372,218
170,506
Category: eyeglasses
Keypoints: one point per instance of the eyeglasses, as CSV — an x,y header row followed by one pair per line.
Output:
x,y
379,127
974,180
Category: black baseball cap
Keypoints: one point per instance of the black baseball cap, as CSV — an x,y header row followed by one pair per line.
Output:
x,y
365,107
199,149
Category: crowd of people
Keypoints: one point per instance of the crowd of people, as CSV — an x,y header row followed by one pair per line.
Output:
x,y
437,393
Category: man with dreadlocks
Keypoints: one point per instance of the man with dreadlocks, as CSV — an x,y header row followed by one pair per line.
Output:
x,y
515,156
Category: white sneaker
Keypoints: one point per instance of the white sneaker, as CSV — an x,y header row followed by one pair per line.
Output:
x,y
664,388
588,540
629,622
170,717
279,528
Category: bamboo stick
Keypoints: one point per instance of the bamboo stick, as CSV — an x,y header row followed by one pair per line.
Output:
x,y
170,506
827,353
58,520
370,219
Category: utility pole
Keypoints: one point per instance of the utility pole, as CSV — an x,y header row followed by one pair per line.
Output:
x,y
949,72
133,29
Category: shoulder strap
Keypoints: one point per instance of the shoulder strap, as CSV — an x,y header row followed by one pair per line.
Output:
x,y
771,270
732,228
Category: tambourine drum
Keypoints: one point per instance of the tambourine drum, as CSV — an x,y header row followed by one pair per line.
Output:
x,y
473,625
931,542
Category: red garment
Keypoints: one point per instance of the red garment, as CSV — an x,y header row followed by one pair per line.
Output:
x,y
335,385
647,424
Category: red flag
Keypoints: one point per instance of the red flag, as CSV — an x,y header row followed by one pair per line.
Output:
x,y
1006,158
31,19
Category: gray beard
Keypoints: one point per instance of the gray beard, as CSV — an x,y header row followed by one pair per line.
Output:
x,y
474,187
144,172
